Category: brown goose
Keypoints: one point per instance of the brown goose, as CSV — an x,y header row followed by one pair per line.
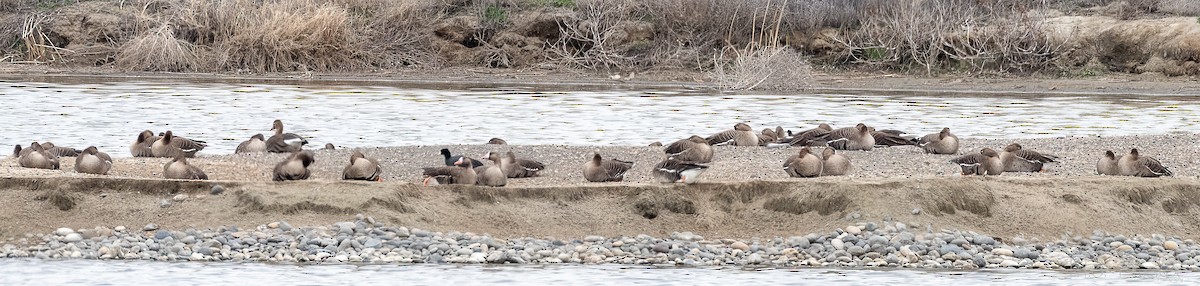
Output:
x,y
600,170
834,164
803,165
329,146
92,161
768,135
141,146
38,158
1016,159
852,138
284,142
519,168
816,136
939,143
497,141
740,135
170,145
1133,164
256,144
463,172
658,144
18,151
179,168
1107,165
490,175
986,162
890,138
692,149
59,151
676,171
362,168
295,167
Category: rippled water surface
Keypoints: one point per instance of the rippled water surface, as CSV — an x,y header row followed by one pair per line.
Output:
x,y
91,272
109,115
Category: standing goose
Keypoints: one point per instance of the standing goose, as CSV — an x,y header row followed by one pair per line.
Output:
x,y
362,168
804,164
834,164
1133,164
284,142
463,172
170,145
92,161
852,138
38,158
295,167
491,175
1016,159
740,135
179,168
256,144
141,146
497,141
986,162
452,159
600,170
676,171
1107,165
889,138
939,143
692,149
59,151
519,168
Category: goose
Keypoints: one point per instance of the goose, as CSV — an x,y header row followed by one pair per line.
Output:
x,y
740,135
1016,159
179,168
671,170
817,136
852,138
657,144
451,159
462,172
692,149
59,151
38,158
1133,164
890,138
768,135
169,145
497,141
18,151
92,161
362,168
284,142
1107,165
986,162
295,167
141,146
491,175
256,144
834,164
805,164
329,146
519,168
600,170
939,143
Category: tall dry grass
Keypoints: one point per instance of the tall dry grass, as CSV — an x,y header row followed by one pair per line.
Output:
x,y
158,50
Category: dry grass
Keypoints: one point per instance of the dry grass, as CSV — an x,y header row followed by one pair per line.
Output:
x,y
157,50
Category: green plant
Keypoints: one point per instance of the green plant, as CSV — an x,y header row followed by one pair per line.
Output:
x,y
553,3
875,53
495,14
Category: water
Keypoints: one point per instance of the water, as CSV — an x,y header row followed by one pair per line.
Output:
x,y
110,114
91,272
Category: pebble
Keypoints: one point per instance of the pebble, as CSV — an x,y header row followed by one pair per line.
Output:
x,y
179,197
150,227
739,246
217,190
853,230
164,203
63,231
1170,245
72,237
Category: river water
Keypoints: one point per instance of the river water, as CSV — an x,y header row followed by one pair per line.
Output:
x,y
110,114
90,272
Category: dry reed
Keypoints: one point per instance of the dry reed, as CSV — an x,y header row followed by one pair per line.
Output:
x,y
157,50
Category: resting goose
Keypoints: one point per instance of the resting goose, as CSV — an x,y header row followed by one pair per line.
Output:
x,y
38,158
284,142
986,162
1133,164
520,168
362,168
179,168
170,145
92,161
692,149
295,167
256,144
676,171
59,151
329,146
599,169
740,135
768,135
834,164
889,138
497,141
816,136
852,138
1016,159
1107,165
805,164
939,143
491,175
463,172
18,151
452,159
141,146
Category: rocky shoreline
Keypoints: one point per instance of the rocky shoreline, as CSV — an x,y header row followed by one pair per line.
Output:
x,y
364,240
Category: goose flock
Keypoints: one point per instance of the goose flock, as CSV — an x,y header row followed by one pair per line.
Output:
x,y
683,161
